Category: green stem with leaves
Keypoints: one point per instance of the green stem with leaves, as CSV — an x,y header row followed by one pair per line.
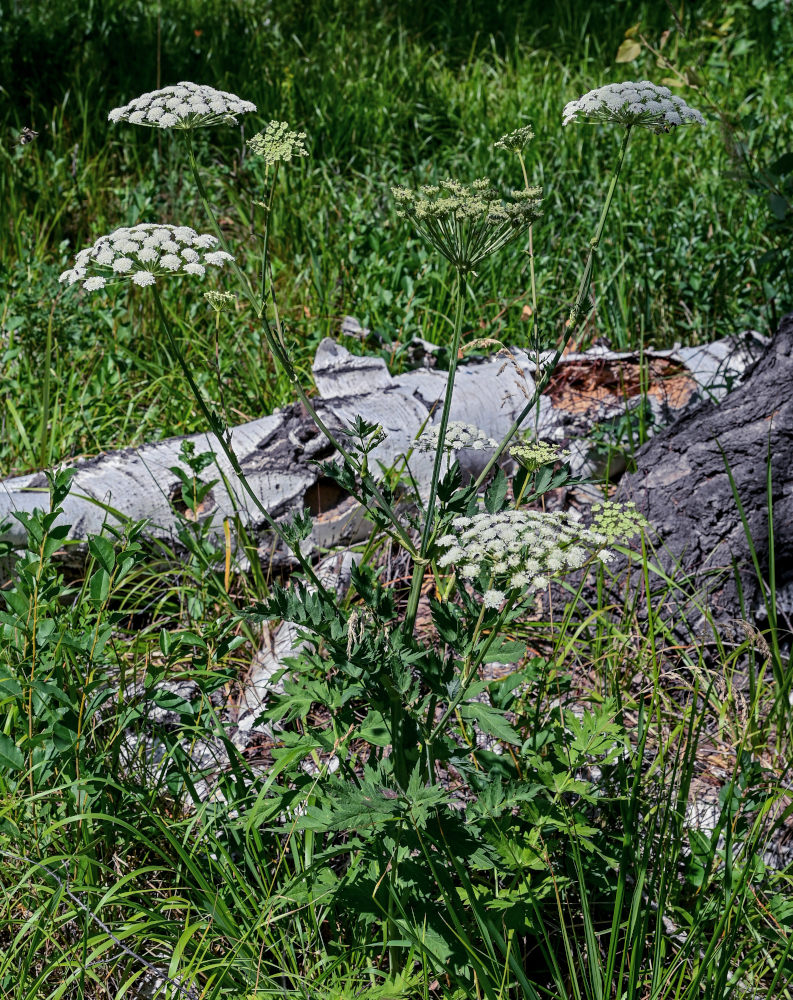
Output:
x,y
224,439
421,562
276,342
575,313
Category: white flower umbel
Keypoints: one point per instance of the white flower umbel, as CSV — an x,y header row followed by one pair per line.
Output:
x,y
466,223
521,548
184,106
458,435
143,253
278,143
640,103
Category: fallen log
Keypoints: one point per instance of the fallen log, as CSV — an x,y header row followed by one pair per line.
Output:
x,y
277,452
687,476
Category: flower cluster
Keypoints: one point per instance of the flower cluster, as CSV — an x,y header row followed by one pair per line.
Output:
x,y
466,223
520,548
142,253
221,301
533,454
185,106
458,435
641,103
278,143
616,520
514,142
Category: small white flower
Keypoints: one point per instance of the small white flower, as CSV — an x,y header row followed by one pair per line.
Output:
x,y
105,257
205,241
167,120
492,598
458,435
134,252
218,257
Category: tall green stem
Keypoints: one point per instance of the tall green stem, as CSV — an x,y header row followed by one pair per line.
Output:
x,y
225,443
420,563
275,344
575,313
44,439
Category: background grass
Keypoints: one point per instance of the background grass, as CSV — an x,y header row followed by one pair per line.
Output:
x,y
388,93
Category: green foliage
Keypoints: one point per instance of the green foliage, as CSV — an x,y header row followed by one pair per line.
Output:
x,y
423,810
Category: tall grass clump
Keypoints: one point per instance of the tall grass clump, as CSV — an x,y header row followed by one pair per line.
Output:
x,y
439,808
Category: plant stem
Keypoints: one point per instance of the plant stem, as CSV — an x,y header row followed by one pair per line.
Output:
x,y
278,349
575,314
420,563
44,439
224,440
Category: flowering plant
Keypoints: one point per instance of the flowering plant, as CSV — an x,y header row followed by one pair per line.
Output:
x,y
401,714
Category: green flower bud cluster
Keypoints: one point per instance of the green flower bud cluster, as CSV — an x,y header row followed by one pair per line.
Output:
x,y
533,454
221,301
467,222
514,142
616,520
277,143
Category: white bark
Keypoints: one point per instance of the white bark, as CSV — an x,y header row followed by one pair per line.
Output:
x,y
275,451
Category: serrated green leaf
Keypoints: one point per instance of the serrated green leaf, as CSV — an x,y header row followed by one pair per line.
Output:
x,y
496,493
490,720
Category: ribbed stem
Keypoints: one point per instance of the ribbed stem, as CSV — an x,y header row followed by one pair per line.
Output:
x,y
575,313
219,431
419,564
